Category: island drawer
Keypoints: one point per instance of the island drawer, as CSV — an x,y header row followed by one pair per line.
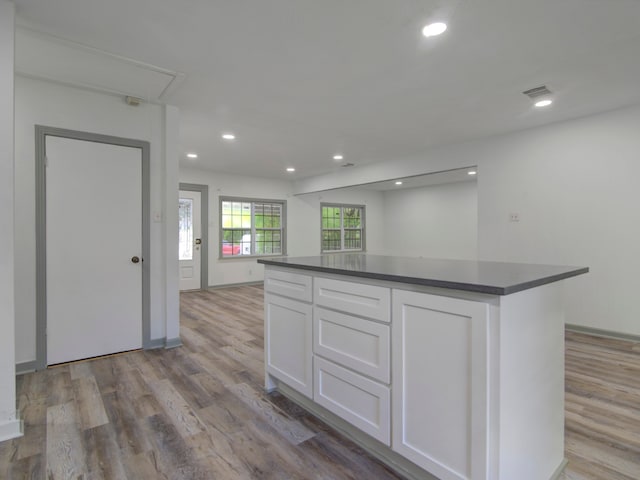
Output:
x,y
358,400
287,284
359,344
357,298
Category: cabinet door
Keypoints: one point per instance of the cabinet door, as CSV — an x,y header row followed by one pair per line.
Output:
x,y
288,349
440,407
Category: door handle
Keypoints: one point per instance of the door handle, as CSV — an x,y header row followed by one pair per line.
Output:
x,y
198,241
135,259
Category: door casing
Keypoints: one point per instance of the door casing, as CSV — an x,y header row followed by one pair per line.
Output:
x,y
41,132
204,229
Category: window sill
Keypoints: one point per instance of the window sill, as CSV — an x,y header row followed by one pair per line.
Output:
x,y
251,257
342,251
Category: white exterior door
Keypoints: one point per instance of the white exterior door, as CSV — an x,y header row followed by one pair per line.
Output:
x,y
190,235
93,239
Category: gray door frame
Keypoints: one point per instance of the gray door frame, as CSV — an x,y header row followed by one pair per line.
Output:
x,y
204,229
41,230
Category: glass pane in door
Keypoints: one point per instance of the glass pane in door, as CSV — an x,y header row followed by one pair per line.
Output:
x,y
185,219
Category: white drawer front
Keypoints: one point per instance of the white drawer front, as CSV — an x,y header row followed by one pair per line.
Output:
x,y
292,285
360,401
366,300
359,344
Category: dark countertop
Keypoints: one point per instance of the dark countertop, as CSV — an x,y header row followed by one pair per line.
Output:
x,y
496,278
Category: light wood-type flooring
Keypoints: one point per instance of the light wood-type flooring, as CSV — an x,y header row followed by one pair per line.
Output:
x,y
199,412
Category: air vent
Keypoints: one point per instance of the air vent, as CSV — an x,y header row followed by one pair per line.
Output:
x,y
534,93
347,165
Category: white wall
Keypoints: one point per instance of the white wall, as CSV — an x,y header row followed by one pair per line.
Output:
x,y
9,426
439,221
575,187
303,219
44,103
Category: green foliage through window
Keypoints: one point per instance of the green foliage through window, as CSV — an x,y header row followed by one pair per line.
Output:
x,y
251,227
342,228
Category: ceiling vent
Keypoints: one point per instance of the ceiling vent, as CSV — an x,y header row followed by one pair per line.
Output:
x,y
536,92
347,165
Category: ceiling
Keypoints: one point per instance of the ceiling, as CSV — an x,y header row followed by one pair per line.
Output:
x,y
298,81
456,175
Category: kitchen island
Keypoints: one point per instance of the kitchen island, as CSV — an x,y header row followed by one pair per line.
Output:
x,y
444,369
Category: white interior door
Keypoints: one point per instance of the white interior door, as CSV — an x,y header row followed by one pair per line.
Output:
x,y
93,237
189,250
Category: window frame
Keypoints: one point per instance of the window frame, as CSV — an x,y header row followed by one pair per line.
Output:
x,y
362,228
253,201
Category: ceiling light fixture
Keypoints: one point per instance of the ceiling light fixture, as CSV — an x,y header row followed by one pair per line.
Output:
x,y
434,29
291,169
338,157
471,172
543,103
398,182
192,155
228,136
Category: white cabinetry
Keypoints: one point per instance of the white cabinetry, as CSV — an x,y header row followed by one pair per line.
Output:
x,y
440,383
288,330
451,383
352,380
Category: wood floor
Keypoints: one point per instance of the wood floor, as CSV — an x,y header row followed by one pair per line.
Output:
x,y
198,411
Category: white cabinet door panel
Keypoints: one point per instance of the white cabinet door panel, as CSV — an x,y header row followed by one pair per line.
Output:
x,y
356,399
362,345
288,353
356,298
440,404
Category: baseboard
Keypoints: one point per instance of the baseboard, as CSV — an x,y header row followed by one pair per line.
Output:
x,y
227,285
598,332
173,343
11,429
155,343
25,367
559,470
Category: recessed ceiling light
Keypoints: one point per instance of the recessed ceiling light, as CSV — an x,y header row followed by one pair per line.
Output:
x,y
228,136
398,182
338,157
543,103
291,169
434,29
471,172
192,155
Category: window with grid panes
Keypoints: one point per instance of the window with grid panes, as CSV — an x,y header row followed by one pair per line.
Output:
x,y
342,228
251,227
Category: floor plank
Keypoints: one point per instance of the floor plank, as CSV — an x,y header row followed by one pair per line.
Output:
x,y
65,445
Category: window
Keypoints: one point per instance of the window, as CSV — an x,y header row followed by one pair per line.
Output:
x,y
251,227
185,222
342,228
